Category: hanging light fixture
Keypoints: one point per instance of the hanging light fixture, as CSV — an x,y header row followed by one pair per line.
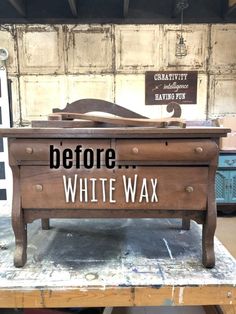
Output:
x,y
181,49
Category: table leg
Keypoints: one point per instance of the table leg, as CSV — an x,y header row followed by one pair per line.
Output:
x,y
18,224
208,231
186,223
209,225
45,224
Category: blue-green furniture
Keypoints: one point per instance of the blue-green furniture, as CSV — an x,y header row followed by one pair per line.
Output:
x,y
226,179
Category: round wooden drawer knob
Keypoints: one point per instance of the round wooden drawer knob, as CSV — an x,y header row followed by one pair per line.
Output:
x,y
189,189
135,150
29,150
38,187
199,150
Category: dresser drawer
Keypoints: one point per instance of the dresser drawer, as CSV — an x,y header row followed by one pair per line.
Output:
x,y
166,150
165,188
23,150
227,161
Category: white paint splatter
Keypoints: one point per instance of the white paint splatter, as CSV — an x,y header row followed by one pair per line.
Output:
x,y
181,295
172,293
168,248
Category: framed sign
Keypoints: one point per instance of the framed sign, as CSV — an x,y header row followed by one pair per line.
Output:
x,y
165,87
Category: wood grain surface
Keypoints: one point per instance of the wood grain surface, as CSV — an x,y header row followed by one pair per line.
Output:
x,y
169,150
119,296
129,132
181,162
171,188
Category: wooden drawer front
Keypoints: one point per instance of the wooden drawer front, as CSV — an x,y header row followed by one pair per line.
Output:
x,y
166,150
38,150
177,188
227,161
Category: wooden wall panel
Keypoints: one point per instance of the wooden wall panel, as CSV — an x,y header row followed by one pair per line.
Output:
x,y
137,48
196,40
90,86
89,49
39,94
198,111
41,49
222,95
223,43
110,61
130,93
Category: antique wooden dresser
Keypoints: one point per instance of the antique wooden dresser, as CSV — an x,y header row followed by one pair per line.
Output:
x,y
156,172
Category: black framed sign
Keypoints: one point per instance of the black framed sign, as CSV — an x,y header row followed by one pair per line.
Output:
x,y
164,87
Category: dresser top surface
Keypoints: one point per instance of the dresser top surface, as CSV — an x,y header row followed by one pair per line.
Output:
x,y
120,132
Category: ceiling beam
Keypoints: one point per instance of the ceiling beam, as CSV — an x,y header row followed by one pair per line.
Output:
x,y
19,5
125,8
175,11
73,7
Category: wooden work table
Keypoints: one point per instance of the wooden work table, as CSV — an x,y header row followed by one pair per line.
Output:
x,y
181,162
113,262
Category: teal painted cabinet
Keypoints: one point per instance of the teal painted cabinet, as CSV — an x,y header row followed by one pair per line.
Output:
x,y
226,178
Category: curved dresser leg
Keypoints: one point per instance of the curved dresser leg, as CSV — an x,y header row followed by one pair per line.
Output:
x,y
45,223
18,224
20,231
186,223
209,225
208,231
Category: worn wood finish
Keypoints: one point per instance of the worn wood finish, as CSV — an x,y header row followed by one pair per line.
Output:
x,y
45,224
137,150
183,160
170,150
115,296
209,226
31,214
18,222
121,132
186,222
188,193
38,150
117,120
67,124
89,105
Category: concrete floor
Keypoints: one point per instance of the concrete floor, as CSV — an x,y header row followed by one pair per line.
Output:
x,y
226,232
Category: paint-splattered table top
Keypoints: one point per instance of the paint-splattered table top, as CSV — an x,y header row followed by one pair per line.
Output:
x,y
116,262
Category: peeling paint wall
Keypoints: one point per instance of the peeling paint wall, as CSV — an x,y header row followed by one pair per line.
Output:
x,y
51,65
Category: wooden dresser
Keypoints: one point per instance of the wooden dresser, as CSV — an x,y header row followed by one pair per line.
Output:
x,y
172,170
